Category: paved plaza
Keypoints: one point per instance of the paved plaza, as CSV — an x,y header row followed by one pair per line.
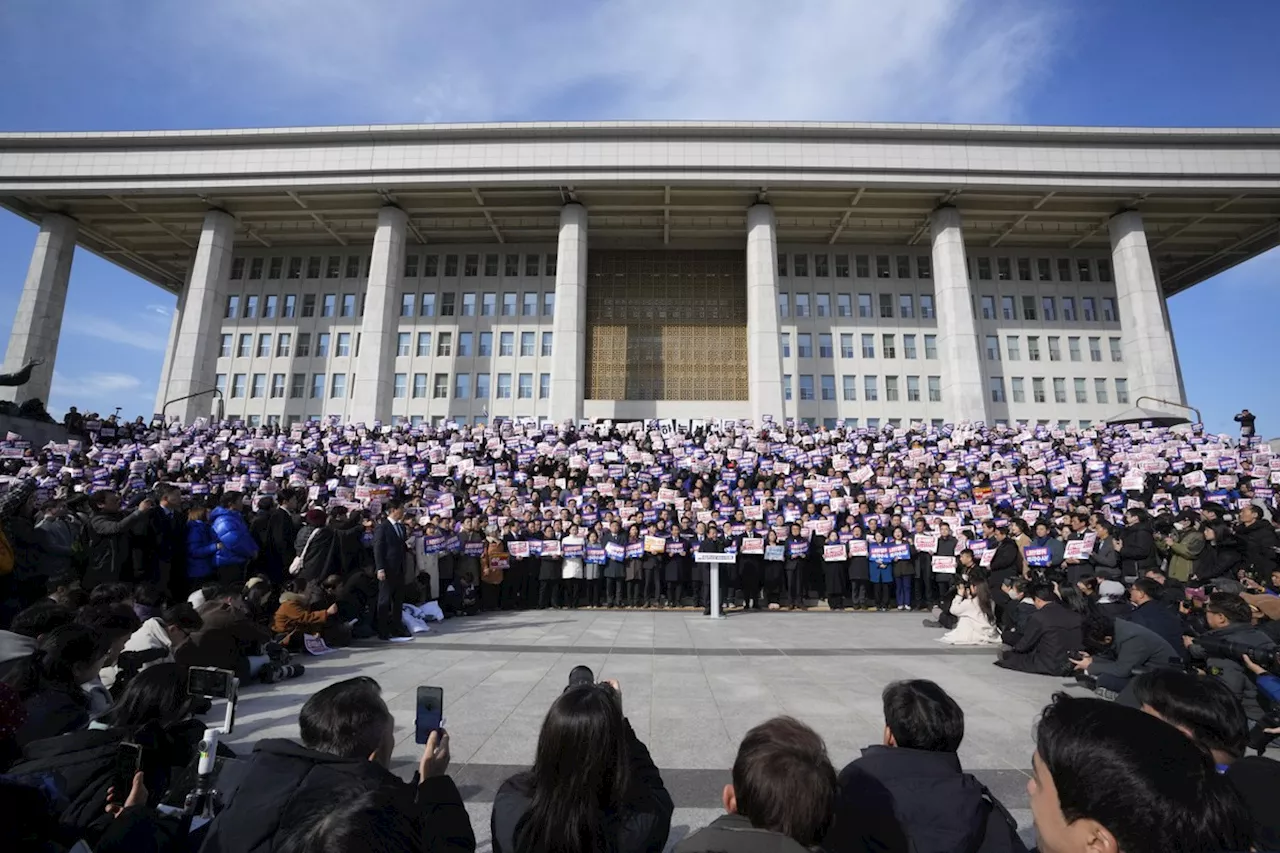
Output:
x,y
691,688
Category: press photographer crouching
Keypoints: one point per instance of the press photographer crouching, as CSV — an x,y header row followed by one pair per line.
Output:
x,y
1220,650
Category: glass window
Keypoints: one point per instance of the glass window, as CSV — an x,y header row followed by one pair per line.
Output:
x,y
506,343
930,346
1104,269
862,266
224,348
844,305
424,344
297,384
984,269
784,302
824,345
528,304
237,385
886,304
848,388
440,386
444,343
1018,387
491,265
864,304
348,305
1011,348
328,304
1037,389
450,266
245,348
419,386
1095,349
1044,270
1064,269
508,305
1073,348
801,266
1108,309
828,381
464,344
484,348
822,301
250,307
904,266
488,304
304,344
524,386
426,307
511,265
882,266
400,385
544,386
870,392
846,345
913,389
924,266
309,305
1024,269
461,386
1069,309
353,266
526,343
1048,306
532,264
1090,311
548,304
237,269
806,384
264,346
906,305
1082,393
313,267
1004,271
1059,390
546,343
482,386
403,343
1117,353
468,305
821,267
804,345
1006,308
886,342
782,264
935,389
504,386
1033,347
842,266
786,386
290,305
471,266
1100,390
295,268
407,302
785,337
269,306
993,348
1084,269
343,348
447,304
1122,390
988,307
802,303
338,386
1055,350
1028,307
322,345
997,389
317,386
868,346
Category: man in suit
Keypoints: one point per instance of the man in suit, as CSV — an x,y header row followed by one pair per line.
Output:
x,y
390,551
166,542
1134,648
1052,632
1153,614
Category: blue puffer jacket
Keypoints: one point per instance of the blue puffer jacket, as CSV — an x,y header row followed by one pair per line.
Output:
x,y
202,544
238,546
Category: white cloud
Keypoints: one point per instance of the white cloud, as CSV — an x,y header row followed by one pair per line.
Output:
x,y
146,334
932,60
101,392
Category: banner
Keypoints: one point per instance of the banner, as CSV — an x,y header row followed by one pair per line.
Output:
x,y
655,545
926,542
551,548
675,547
879,553
617,551
833,553
500,562
901,551
595,554
798,548
518,550
473,549
774,552
752,545
857,548
635,550
711,557
944,565
1036,556
571,548
1075,550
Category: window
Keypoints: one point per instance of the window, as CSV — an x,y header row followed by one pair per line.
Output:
x,y
419,386
309,305
544,386
1004,271
338,386
924,266
984,269
402,343
451,266
1090,311
462,386
491,265
842,266
886,342
988,307
468,305
873,423
237,269
297,383
488,304
864,304
511,265
1104,269
1100,390
440,386
844,305
846,345
1018,387
869,390
824,346
1117,354
485,347
993,348
1055,349
862,264
1084,270
868,346
935,389
237,384
930,346
258,387
317,386
806,385
1108,309
1033,348
290,305
224,348
504,386
508,304
1006,308
526,343
1024,269
532,264
426,308
464,345
304,344
904,266
1069,309
1122,390
822,302
407,301
913,389
1037,389
1028,307
848,387
353,266
782,264
886,305
328,304
1048,305
802,302
250,307
882,266
785,338
906,305
348,305
264,346
548,304
245,348
801,266
482,386
997,389
1011,348
444,343
821,266
233,307
1064,269
528,304
295,268
1059,390
1073,348
1095,349
471,266
783,303
269,304
546,343
804,345
828,381
524,386
424,344
1082,393
786,386
446,304
506,343
1044,270
343,348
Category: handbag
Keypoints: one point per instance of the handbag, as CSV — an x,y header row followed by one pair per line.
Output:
x,y
296,565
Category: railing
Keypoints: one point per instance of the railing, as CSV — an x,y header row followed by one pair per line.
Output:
x,y
1199,419
168,403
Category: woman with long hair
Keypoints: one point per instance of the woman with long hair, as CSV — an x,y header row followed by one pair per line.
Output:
x,y
49,681
592,787
975,614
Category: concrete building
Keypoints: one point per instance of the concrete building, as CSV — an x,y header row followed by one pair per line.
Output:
x,y
866,272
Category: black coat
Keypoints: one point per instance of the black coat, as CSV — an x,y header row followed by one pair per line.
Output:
x,y
1135,647
641,826
1050,634
894,799
1161,620
286,783
1005,563
1259,540
1229,668
109,548
390,552
1139,551
1217,560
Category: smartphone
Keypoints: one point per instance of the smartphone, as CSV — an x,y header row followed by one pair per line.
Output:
x,y
430,713
128,763
209,681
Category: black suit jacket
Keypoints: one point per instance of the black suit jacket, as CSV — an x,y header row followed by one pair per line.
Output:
x,y
389,551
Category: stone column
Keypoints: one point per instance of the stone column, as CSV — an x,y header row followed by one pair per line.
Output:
x,y
964,395
1149,355
569,369
38,321
166,368
193,361
764,354
373,380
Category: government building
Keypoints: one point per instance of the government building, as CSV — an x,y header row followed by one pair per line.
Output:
x,y
872,274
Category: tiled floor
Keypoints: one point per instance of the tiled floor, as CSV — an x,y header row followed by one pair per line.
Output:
x,y
691,689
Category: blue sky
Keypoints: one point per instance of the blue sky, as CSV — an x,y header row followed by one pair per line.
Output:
x,y
129,64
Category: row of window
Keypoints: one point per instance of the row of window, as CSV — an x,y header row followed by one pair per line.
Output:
x,y
983,267
469,344
271,305
255,421
1048,310
1080,386
255,385
819,305
888,345
357,266
1013,348
870,387
883,305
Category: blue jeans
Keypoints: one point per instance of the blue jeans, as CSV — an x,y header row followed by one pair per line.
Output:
x,y
903,587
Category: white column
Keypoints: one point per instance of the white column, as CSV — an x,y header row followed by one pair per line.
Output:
x,y
569,369
162,394
374,382
764,353
193,361
38,321
963,393
1149,355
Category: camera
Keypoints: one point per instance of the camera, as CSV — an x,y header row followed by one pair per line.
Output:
x,y
1220,647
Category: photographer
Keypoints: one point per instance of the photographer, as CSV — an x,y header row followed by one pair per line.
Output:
x,y
975,615
1131,646
1220,650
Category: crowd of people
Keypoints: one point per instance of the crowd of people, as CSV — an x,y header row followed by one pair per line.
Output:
x,y
1141,560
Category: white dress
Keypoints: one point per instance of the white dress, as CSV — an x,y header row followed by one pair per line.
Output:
x,y
973,628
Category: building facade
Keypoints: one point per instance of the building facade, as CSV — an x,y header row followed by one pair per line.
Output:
x,y
870,274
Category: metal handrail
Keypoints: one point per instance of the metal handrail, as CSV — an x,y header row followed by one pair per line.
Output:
x,y
1199,418
169,403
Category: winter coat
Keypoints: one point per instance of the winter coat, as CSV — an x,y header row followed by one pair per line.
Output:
x,y
1139,551
733,833
238,546
14,648
61,536
1217,560
1051,633
150,636
1135,647
286,784
1162,620
202,546
488,573
51,711
109,545
913,799
1230,669
1182,550
294,615
225,641
1259,541
640,826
